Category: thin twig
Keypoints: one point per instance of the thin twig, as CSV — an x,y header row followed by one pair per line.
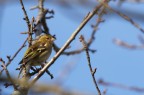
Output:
x,y
40,20
28,23
92,38
72,37
95,27
8,75
132,88
125,17
25,13
43,20
78,51
67,69
89,64
11,59
127,45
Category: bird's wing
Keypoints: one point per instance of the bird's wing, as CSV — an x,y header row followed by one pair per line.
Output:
x,y
34,51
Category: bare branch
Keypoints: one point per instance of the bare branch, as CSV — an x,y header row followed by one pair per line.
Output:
x,y
89,64
125,17
28,23
8,75
78,51
132,88
91,40
95,27
72,37
127,45
11,59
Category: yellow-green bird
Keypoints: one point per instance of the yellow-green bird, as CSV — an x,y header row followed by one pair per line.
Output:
x,y
37,53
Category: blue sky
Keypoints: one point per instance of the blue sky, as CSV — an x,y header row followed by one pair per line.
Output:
x,y
114,64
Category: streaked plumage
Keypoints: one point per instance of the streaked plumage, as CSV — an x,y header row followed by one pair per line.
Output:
x,y
37,53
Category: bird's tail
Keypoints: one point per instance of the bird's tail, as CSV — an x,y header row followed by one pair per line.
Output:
x,y
24,69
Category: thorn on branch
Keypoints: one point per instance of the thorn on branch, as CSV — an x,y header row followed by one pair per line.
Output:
x,y
9,57
94,71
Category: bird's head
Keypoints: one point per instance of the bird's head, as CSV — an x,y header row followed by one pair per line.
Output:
x,y
47,37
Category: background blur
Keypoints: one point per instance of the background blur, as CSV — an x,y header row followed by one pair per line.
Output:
x,y
123,67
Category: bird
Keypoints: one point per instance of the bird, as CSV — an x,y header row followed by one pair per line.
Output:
x,y
36,54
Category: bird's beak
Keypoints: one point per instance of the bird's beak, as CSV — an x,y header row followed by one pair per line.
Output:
x,y
53,39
